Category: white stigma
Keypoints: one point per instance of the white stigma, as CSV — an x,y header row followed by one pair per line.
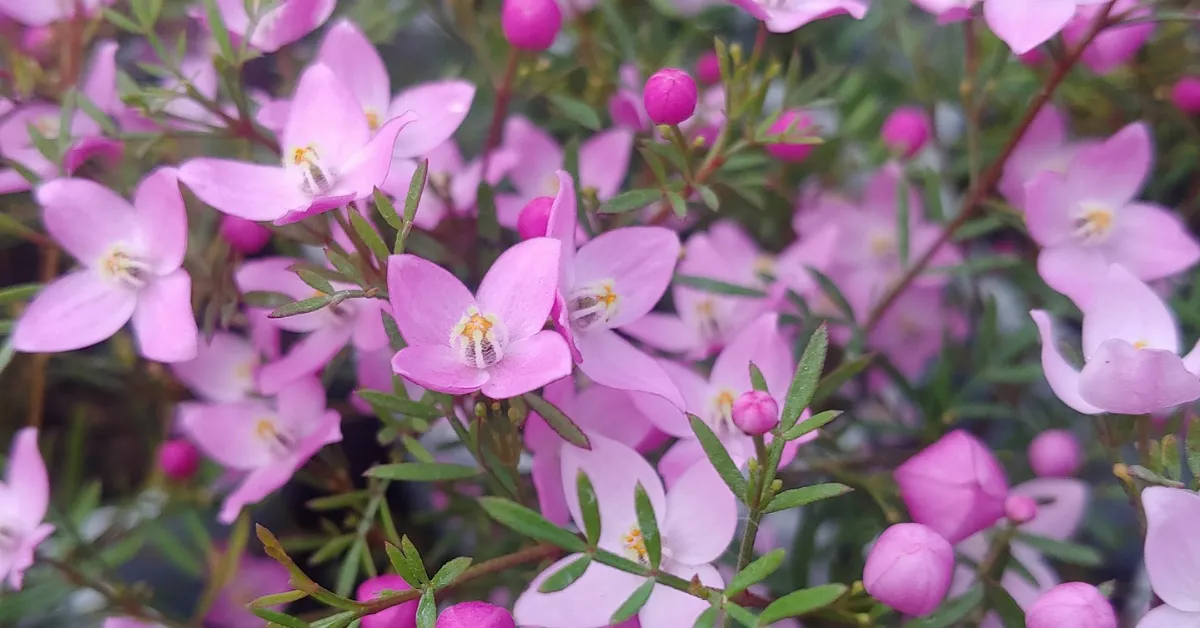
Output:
x,y
311,173
594,304
123,268
720,411
479,339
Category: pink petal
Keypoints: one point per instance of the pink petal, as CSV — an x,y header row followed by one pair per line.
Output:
x,y
1172,547
442,297
1192,360
23,558
1123,307
529,364
615,470
1112,173
546,473
105,148
255,487
685,454
162,219
665,332
610,360
325,116
306,357
78,310
669,608
246,190
1169,617
540,157
438,367
519,288
301,405
1121,378
1073,270
86,218
271,274
26,478
1062,377
563,223
786,20
638,260
101,84
589,601
367,322
1152,242
1060,518
11,181
314,206
368,168
612,413
290,21
222,370
1026,24
440,108
701,516
1044,138
163,321
1049,204
761,344
225,432
354,60
604,160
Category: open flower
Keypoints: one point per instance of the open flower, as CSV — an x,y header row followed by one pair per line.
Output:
x,y
283,24
44,12
696,522
1027,24
1130,352
223,369
255,577
131,256
603,160
24,497
453,184
785,16
1043,147
493,340
268,439
1172,556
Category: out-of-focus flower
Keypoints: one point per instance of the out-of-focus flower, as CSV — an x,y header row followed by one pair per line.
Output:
x,y
1172,556
1043,148
954,486
283,24
1026,24
531,24
254,578
792,124
1020,508
1186,94
906,130
452,183
178,459
223,370
708,68
399,616
669,96
1114,45
909,568
1055,454
475,615
785,16
625,106
244,236
43,12
24,498
1071,605
603,161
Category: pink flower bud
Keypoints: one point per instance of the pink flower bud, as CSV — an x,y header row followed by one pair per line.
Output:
x,y
670,96
1186,95
909,568
708,68
245,236
399,616
755,412
1055,454
36,42
1071,605
798,121
1033,58
1020,508
475,615
178,459
531,24
906,131
954,486
534,217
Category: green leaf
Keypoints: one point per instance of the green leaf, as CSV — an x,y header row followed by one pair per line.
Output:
x,y
530,523
278,599
341,500
370,236
807,495
656,165
1013,374
564,577
1005,606
450,572
93,112
902,219
620,30
121,22
678,205
589,506
340,620
426,610
1064,551
315,281
344,266
305,306
575,111
332,548
804,384
709,197
395,404
743,616
559,422
835,296
719,457
412,571
707,619
174,550
386,210
814,422
9,224
648,525
840,375
951,611
633,603
351,562
755,572
631,200
18,293
414,558
262,298
718,287
801,602
422,471
395,339
216,26
146,11
279,618
418,451
756,379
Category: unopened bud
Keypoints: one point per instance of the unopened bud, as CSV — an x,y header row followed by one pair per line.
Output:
x,y
531,24
756,412
1020,508
178,459
475,615
245,236
670,96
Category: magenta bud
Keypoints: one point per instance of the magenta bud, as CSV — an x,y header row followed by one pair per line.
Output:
x,y
670,96
906,131
399,616
1071,605
245,236
909,568
756,412
1186,95
36,40
708,68
531,24
532,221
475,615
1020,509
1055,454
797,120
955,486
179,459
1033,58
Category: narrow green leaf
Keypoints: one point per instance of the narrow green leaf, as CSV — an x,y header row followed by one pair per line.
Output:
x,y
9,224
844,372
707,619
631,200
348,572
756,379
315,281
656,165
422,471
301,307
216,26
590,507
807,495
648,525
620,30
575,111
386,210
93,112
487,222
709,197
530,523
370,236
801,602
173,549
564,577
1064,551
332,548
804,384
559,422
121,22
450,572
678,205
633,603
1005,606
835,296
755,572
414,558
719,457
409,570
279,618
951,611
718,287
743,616
416,187
278,599
340,620
146,11
18,293
341,500
814,422
344,266
418,451
395,404
902,219
262,298
395,339
426,610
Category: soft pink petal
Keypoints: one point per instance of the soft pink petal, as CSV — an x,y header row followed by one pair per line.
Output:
x,y
666,332
1121,378
786,20
103,149
615,470
24,554
356,62
1043,140
368,168
271,274
78,310
1192,360
529,364
442,297
610,360
546,473
11,181
301,406
604,160
440,108
1172,546
671,608
1026,24
306,357
1111,174
101,84
1061,517
26,478
563,224
1123,307
367,321
1062,377
242,189
438,367
223,369
1049,204
86,218
613,413
226,432
255,487
589,601
685,454
290,21
1152,242
540,157
638,260
1073,270
162,219
519,288
325,116
1169,617
701,517
163,321
762,344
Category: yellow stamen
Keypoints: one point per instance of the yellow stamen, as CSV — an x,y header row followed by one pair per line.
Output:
x,y
476,323
635,545
265,429
372,119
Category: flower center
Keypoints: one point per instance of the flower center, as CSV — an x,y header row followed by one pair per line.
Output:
x,y
1093,224
764,265
707,321
121,267
479,338
47,127
883,246
550,186
372,118
1141,344
721,411
635,546
279,443
594,304
313,175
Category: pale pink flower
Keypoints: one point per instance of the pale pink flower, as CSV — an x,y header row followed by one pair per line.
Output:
x,y
1172,556
1043,148
223,369
1114,45
43,12
603,160
24,498
785,16
254,578
1026,24
284,23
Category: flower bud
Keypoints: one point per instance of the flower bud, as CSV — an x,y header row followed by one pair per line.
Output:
x,y
708,68
756,412
179,459
797,120
1186,95
670,96
531,24
906,131
475,615
534,217
1055,454
1033,58
954,486
399,616
1071,605
37,42
909,568
245,236
1020,509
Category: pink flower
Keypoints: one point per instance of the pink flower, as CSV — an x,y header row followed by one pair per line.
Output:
x,y
329,159
626,107
45,12
459,343
1172,556
785,16
178,459
954,486
475,615
255,577
1071,605
223,369
913,330
696,521
373,371
1026,24
906,130
24,497
267,438
947,10
1043,147
1088,219
1186,95
603,160
128,622
131,257
670,96
1114,45
452,184
283,24
401,616
531,24
909,568
1055,454
1130,349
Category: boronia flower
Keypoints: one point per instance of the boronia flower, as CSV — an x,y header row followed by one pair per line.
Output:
x,y
43,12
1043,147
132,257
255,577
24,497
1172,556
224,368
1130,353
279,26
696,522
785,16
491,341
